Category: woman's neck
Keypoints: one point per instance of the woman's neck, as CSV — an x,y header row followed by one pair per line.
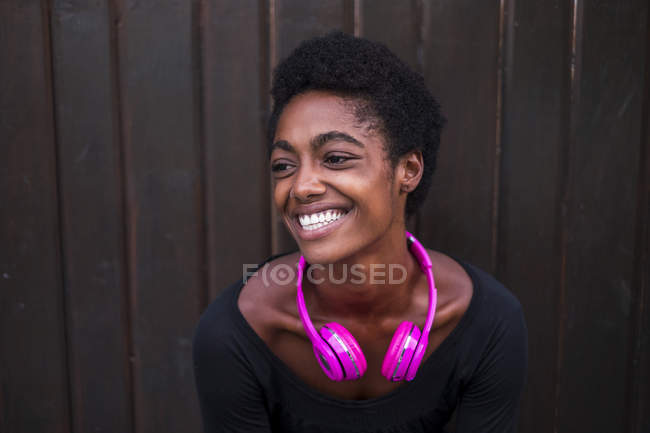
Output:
x,y
375,283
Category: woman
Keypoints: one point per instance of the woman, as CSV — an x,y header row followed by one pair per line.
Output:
x,y
353,140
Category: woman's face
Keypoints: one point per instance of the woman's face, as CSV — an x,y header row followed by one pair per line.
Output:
x,y
332,182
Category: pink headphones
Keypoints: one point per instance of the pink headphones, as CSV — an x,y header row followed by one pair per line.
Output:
x,y
339,354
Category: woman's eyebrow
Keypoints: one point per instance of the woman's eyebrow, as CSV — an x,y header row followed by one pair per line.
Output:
x,y
282,144
319,141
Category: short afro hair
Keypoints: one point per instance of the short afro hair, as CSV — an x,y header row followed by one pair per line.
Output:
x,y
389,96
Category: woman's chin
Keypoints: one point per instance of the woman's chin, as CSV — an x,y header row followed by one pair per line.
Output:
x,y
321,254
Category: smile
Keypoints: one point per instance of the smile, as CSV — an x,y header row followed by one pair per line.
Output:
x,y
320,219
314,226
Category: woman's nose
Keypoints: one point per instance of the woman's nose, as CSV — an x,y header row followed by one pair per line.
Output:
x,y
307,184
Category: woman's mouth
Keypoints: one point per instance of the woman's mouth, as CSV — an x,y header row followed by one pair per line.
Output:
x,y
319,224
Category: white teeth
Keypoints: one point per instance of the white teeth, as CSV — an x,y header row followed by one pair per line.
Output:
x,y
320,219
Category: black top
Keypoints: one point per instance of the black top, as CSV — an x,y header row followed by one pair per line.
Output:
x,y
478,370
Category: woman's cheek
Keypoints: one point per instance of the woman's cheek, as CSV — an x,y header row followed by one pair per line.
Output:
x,y
280,194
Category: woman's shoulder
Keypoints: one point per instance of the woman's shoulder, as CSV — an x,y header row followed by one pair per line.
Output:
x,y
492,292
495,313
266,294
455,281
253,298
486,305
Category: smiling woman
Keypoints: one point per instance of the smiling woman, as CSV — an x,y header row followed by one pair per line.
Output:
x,y
340,344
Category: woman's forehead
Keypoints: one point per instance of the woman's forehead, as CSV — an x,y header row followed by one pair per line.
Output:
x,y
315,113
316,105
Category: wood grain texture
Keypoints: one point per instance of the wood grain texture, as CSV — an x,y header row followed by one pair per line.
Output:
x,y
236,162
536,75
158,65
91,216
460,57
33,366
600,200
378,20
638,392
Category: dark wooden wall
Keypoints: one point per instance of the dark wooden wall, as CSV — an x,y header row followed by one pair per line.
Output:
x,y
134,185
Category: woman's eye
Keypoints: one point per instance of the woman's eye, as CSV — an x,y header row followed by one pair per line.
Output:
x,y
336,159
281,166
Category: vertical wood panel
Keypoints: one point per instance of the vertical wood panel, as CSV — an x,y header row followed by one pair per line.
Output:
x,y
536,78
298,20
158,65
379,18
601,209
236,158
91,217
460,54
639,397
33,370
639,385
292,22
639,382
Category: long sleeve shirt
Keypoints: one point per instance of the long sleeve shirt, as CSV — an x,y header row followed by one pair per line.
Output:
x,y
479,371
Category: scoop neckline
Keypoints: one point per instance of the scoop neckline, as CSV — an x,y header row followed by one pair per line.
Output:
x,y
424,368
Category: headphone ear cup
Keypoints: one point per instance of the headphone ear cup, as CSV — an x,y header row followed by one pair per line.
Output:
x,y
328,361
400,351
417,360
347,350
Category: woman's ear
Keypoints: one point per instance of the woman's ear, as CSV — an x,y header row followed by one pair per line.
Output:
x,y
411,169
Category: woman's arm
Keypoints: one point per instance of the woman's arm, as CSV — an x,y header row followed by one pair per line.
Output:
x,y
230,396
490,400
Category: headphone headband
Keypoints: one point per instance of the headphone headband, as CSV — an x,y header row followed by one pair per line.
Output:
x,y
424,261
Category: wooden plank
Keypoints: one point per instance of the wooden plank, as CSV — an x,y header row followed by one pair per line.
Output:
x,y
293,21
33,368
638,400
601,200
378,18
460,55
91,217
158,71
536,75
640,396
639,393
236,162
297,20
